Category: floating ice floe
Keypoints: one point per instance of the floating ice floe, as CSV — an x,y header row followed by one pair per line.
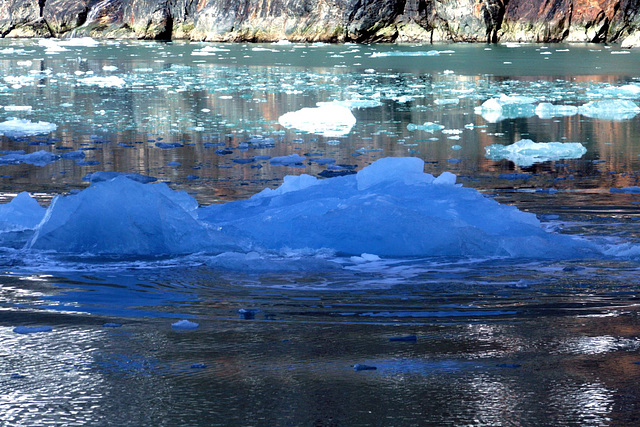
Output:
x,y
79,42
526,152
23,330
546,110
506,107
16,128
22,213
208,51
38,158
406,53
103,81
290,160
427,127
330,120
630,90
18,108
610,109
354,103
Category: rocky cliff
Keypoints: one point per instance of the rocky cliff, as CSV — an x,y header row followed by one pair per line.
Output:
x,y
328,20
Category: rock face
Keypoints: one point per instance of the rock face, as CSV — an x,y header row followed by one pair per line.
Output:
x,y
328,20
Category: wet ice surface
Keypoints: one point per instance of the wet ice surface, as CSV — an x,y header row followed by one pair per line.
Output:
x,y
103,329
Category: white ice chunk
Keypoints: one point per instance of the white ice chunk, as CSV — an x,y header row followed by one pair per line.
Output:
x,y
125,217
185,325
506,107
354,103
546,110
103,81
16,128
610,109
22,212
18,108
526,152
329,120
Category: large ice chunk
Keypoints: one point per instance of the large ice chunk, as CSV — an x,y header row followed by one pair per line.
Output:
x,y
22,213
125,217
391,208
610,109
328,119
16,128
526,152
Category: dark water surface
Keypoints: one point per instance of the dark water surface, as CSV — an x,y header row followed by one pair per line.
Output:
x,y
454,341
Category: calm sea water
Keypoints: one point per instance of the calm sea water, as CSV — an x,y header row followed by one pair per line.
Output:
x,y
492,342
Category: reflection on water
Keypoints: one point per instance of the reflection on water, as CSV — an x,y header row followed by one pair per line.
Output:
x,y
497,342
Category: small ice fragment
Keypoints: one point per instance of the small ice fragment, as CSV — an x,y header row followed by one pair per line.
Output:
x,y
290,160
107,176
112,325
38,158
628,190
198,366
18,108
247,314
168,145
109,68
361,367
108,81
427,127
185,325
31,329
365,258
513,176
408,338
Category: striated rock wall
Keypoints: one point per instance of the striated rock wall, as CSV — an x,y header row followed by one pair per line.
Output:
x,y
328,20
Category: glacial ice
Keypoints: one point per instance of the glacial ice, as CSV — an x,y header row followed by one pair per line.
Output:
x,y
506,107
16,128
22,212
125,217
328,119
185,325
390,208
527,152
610,109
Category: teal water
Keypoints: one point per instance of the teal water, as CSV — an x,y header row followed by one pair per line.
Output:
x,y
497,341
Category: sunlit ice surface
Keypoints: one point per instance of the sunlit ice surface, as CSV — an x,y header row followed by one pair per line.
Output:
x,y
286,335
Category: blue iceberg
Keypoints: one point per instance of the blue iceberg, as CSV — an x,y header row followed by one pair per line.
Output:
x,y
391,208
